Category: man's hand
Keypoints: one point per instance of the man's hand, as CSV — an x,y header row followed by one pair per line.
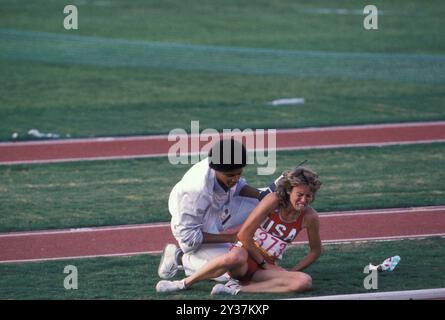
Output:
x,y
248,191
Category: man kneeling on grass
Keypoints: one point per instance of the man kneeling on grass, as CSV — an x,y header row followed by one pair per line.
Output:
x,y
263,238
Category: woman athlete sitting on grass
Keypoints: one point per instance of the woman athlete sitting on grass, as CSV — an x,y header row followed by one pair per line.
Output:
x,y
263,238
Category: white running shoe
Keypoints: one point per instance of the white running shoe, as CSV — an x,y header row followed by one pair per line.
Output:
x,y
165,286
232,287
389,264
168,267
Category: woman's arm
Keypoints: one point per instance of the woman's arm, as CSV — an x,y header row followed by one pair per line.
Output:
x,y
256,217
312,226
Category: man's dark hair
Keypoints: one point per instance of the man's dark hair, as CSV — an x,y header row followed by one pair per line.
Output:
x,y
227,155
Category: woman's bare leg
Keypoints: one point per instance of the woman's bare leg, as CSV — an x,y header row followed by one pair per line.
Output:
x,y
234,261
278,281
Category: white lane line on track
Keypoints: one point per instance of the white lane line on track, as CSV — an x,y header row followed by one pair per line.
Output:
x,y
159,155
376,239
326,242
279,131
165,225
83,230
333,214
358,145
127,254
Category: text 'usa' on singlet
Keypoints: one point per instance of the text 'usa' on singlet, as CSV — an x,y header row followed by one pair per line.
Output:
x,y
274,234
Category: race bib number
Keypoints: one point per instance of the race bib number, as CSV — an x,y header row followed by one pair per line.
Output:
x,y
273,246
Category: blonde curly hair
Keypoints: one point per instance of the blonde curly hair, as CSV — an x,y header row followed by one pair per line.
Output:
x,y
296,177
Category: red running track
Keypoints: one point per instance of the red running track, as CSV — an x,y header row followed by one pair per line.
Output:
x,y
127,240
368,225
155,146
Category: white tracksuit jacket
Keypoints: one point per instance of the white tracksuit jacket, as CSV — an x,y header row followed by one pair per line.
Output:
x,y
198,204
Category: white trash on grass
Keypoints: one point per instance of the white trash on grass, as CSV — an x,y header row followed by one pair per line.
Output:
x,y
37,134
386,266
287,101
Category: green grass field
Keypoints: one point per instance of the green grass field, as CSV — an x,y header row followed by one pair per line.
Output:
x,y
339,270
144,67
406,26
217,63
136,191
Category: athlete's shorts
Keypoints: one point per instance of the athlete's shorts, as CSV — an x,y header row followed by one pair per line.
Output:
x,y
252,267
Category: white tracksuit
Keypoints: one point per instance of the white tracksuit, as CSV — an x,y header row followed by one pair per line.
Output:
x,y
198,204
